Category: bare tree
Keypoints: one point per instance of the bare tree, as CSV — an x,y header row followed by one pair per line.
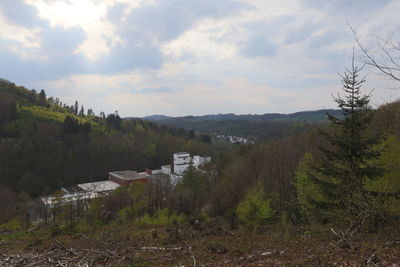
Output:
x,y
386,58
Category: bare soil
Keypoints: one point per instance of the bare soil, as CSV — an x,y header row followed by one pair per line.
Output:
x,y
162,246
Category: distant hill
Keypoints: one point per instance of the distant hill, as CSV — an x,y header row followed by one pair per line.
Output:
x,y
308,116
156,117
267,127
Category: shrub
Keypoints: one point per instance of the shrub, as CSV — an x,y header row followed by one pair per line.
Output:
x,y
255,208
12,225
161,218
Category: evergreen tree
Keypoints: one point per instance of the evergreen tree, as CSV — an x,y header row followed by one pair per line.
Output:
x,y
82,111
102,115
86,127
42,97
346,166
76,108
191,134
32,96
8,109
205,138
71,125
114,121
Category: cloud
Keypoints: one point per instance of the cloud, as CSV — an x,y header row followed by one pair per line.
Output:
x,y
143,30
326,37
165,20
300,31
258,46
55,57
116,13
152,90
180,57
345,6
19,13
59,42
134,42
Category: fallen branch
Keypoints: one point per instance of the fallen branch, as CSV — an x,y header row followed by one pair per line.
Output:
x,y
191,252
160,248
62,246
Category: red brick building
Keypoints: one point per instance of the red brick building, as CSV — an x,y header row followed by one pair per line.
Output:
x,y
124,178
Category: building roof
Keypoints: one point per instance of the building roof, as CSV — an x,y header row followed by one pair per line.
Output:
x,y
129,175
87,191
99,186
181,153
72,189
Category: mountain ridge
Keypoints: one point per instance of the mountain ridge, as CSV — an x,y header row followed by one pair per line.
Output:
x,y
308,115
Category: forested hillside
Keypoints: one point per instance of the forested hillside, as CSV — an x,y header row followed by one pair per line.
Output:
x,y
45,144
264,128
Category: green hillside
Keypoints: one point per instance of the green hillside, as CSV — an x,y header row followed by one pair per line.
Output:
x,y
45,144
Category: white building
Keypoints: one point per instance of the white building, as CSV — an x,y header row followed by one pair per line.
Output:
x,y
182,161
87,191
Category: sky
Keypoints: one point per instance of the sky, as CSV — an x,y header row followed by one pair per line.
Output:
x,y
192,57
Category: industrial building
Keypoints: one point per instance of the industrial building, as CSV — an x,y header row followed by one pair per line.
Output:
x,y
172,173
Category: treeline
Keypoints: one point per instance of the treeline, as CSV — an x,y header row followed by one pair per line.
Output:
x,y
22,95
263,130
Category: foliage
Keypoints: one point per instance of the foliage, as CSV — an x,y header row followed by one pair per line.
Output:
x,y
83,227
31,183
114,121
136,196
389,184
205,138
191,190
72,125
255,208
162,217
307,191
8,109
191,134
347,164
12,225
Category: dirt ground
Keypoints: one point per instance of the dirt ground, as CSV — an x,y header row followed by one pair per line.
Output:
x,y
162,246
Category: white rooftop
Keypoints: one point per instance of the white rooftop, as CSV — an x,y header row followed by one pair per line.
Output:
x,y
91,190
99,186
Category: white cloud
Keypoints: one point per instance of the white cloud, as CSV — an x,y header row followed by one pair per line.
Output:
x,y
180,57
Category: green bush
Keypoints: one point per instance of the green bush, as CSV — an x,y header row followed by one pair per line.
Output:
x,y
12,225
255,208
161,218
83,227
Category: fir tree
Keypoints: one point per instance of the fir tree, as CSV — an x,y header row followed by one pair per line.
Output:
x,y
42,97
76,108
82,111
342,174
